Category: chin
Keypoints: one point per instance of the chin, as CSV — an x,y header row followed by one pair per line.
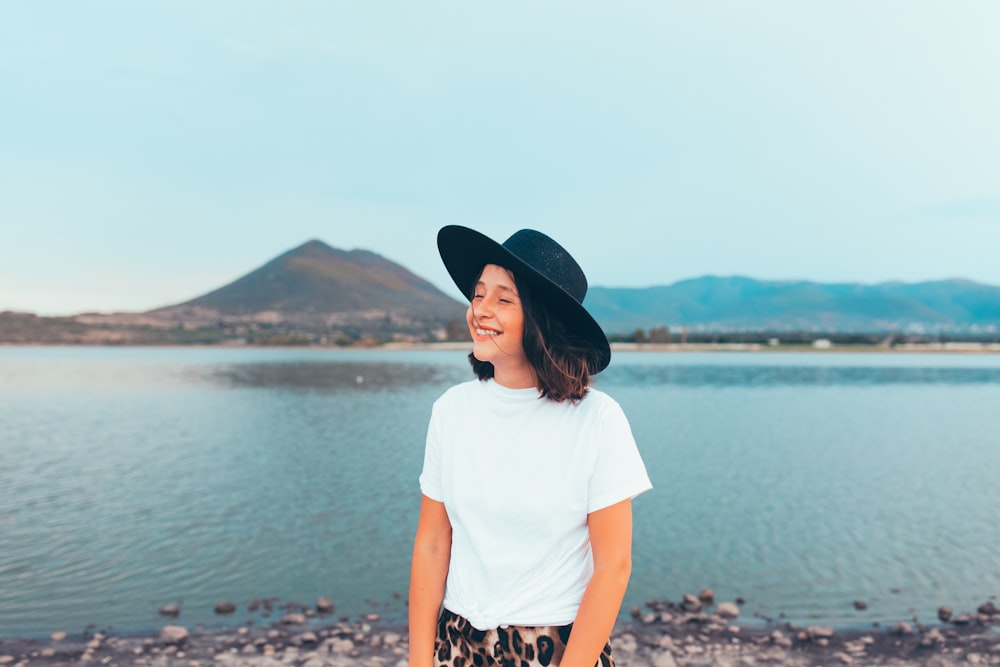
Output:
x,y
482,355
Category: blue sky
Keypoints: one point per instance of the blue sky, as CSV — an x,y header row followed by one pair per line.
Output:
x,y
150,152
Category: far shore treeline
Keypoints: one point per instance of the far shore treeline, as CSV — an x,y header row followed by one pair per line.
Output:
x,y
317,295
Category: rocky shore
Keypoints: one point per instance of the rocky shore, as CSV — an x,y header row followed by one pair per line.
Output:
x,y
693,632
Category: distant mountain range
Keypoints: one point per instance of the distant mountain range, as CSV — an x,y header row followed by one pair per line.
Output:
x,y
318,294
738,303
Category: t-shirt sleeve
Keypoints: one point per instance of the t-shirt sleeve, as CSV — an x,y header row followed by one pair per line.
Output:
x,y
619,472
430,476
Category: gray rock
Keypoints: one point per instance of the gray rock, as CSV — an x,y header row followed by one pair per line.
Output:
x,y
989,609
324,605
58,636
224,607
778,638
901,628
664,659
938,661
340,646
173,634
945,614
727,610
819,632
860,605
932,638
844,658
625,644
690,603
170,610
293,619
964,619
707,595
391,639
773,654
667,642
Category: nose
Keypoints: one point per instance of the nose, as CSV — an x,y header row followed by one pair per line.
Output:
x,y
482,308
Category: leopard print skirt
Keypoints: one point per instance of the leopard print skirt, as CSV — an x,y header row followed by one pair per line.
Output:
x,y
460,644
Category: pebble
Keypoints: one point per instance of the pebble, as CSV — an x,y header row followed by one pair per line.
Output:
x,y
902,628
324,605
707,595
58,636
932,638
664,659
170,610
173,634
989,609
224,607
727,610
340,646
690,603
945,614
293,619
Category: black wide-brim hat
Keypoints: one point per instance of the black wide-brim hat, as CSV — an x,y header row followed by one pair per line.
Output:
x,y
545,265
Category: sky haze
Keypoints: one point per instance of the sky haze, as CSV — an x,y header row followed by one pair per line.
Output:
x,y
151,152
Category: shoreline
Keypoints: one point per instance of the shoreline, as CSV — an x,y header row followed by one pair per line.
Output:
x,y
695,632
960,348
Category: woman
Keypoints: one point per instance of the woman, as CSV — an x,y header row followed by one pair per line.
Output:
x,y
525,526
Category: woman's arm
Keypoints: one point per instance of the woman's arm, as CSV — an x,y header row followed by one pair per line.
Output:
x,y
428,572
611,542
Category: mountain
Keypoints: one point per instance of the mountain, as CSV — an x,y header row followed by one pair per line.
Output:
x,y
737,302
316,287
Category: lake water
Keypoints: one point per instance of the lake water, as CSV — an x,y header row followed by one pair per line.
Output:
x,y
133,477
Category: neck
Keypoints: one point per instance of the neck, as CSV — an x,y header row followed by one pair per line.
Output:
x,y
521,376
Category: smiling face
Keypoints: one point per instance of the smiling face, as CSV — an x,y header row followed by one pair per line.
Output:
x,y
496,322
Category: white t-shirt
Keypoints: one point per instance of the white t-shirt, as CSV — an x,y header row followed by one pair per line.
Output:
x,y
518,475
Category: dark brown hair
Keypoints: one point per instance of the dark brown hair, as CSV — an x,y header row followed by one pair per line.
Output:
x,y
561,362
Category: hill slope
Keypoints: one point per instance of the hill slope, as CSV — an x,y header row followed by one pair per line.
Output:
x,y
316,286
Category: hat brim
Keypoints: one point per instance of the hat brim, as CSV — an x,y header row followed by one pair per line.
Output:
x,y
465,252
